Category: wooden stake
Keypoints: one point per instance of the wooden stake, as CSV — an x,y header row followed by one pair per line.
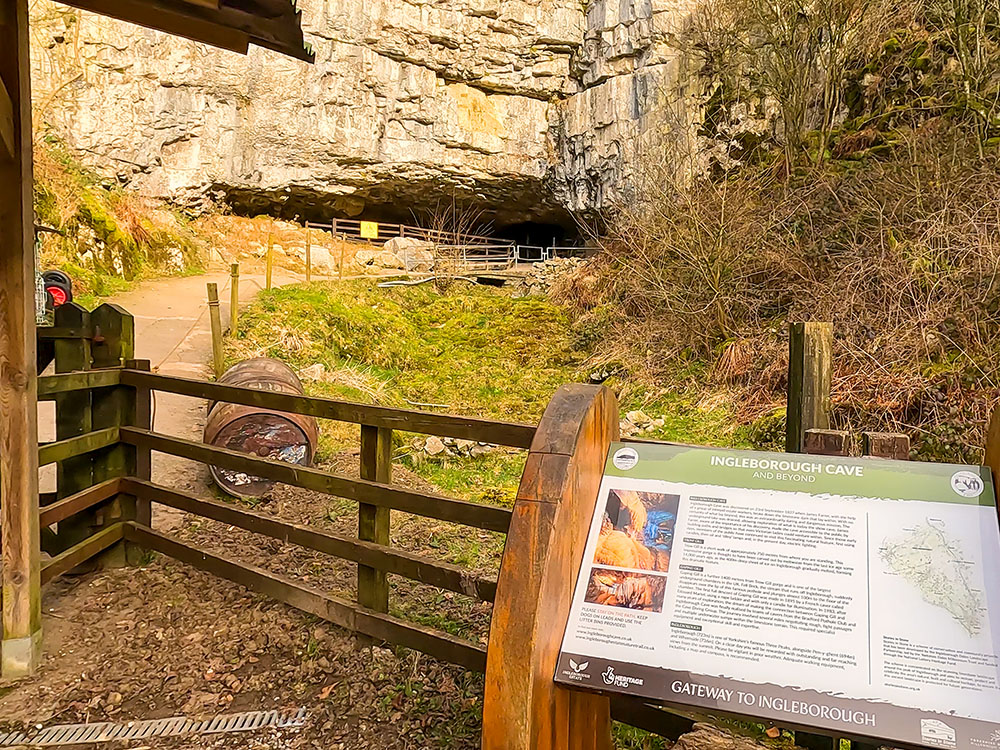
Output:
x,y
992,457
19,530
308,256
215,316
373,520
340,268
270,253
234,299
810,364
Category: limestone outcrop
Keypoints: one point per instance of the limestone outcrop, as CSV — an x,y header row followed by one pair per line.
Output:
x,y
522,109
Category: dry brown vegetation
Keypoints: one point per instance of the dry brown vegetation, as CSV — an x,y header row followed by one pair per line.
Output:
x,y
860,187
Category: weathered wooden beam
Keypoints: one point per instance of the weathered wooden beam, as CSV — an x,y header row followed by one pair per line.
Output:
x,y
885,445
88,498
53,333
523,709
373,520
374,624
827,443
143,419
407,420
20,544
50,386
991,449
82,552
73,419
180,21
113,408
489,517
8,143
810,367
406,564
80,445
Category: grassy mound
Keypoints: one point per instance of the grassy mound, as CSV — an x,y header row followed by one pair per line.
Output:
x,y
469,351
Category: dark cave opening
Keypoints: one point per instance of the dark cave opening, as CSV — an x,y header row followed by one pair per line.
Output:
x,y
542,234
540,224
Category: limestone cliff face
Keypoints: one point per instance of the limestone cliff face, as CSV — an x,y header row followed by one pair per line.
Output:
x,y
520,108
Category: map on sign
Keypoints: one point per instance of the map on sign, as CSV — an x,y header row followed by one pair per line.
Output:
x,y
852,596
933,561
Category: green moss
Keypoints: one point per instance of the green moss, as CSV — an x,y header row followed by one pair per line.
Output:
x,y
106,235
472,351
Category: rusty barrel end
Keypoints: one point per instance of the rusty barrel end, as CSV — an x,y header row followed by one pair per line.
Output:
x,y
264,433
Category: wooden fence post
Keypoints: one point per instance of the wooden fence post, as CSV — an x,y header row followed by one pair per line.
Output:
x,y
73,418
823,443
270,254
373,520
142,417
21,619
523,708
215,317
810,363
114,345
234,299
309,263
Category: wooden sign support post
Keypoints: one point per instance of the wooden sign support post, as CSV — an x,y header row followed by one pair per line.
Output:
x,y
524,709
810,358
21,623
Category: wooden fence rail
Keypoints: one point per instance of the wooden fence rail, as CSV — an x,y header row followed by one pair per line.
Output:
x,y
105,438
415,567
339,612
351,228
445,425
488,517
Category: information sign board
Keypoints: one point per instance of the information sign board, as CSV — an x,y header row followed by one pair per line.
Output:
x,y
860,597
369,230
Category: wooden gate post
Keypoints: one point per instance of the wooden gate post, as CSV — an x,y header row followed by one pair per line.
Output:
x,y
114,345
523,708
21,620
810,363
73,418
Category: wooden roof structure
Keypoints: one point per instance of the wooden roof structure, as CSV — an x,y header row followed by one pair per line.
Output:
x,y
229,24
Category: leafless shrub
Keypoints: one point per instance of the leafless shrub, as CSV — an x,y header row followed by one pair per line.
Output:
x,y
902,256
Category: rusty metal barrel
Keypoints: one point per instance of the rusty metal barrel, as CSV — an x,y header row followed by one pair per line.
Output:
x,y
265,433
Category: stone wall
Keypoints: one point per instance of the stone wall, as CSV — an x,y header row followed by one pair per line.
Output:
x,y
520,108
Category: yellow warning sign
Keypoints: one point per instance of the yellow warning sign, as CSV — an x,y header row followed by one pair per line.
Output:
x,y
369,230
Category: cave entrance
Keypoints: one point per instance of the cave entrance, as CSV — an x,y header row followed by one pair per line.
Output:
x,y
539,234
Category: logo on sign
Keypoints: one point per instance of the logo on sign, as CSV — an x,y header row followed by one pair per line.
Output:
x,y
625,458
619,680
967,483
578,667
934,732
